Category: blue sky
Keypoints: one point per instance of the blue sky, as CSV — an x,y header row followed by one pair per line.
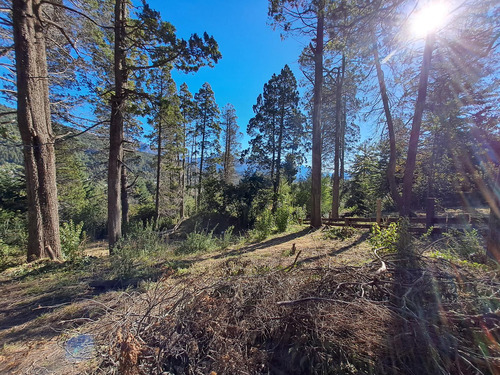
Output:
x,y
251,50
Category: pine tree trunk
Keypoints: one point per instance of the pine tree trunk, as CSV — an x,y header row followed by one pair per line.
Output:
x,y
124,199
273,140
430,176
316,120
227,152
158,174
183,175
158,158
278,158
33,115
415,127
342,141
116,127
391,167
202,151
338,125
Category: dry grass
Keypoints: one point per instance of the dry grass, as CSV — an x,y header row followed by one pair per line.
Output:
x,y
319,307
314,319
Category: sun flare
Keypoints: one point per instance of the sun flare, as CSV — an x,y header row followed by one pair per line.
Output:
x,y
429,18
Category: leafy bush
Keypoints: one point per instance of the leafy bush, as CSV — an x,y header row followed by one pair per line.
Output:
x,y
264,225
9,255
198,242
122,261
387,238
93,214
282,218
260,206
72,239
227,238
13,229
134,249
142,238
466,245
299,214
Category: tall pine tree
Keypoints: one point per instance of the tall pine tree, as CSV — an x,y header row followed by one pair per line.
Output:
x,y
208,130
278,127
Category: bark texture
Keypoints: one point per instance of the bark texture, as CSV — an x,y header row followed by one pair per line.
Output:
x,y
33,115
411,157
115,162
391,167
338,138
316,120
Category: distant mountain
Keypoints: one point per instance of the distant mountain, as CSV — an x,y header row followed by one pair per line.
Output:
x,y
91,148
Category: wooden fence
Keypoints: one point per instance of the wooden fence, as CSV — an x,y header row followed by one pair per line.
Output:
x,y
418,224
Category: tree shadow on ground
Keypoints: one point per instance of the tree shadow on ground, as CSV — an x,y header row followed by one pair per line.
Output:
x,y
421,338
30,299
263,245
343,249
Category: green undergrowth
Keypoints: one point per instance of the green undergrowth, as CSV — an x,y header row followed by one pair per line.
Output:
x,y
339,233
201,241
465,248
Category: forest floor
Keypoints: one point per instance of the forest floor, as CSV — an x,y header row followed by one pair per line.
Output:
x,y
72,318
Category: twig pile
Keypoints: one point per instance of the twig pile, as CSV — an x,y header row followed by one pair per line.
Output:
x,y
423,316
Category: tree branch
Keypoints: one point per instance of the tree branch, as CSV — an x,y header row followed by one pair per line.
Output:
x,y
77,12
62,30
7,91
66,136
8,113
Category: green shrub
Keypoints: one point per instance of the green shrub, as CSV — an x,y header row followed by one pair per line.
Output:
x,y
122,261
466,245
227,238
299,214
10,255
72,240
264,225
142,238
387,238
198,242
282,218
133,251
13,229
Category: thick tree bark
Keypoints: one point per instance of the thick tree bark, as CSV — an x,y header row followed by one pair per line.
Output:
x,y
391,167
415,127
115,163
33,115
124,199
316,120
